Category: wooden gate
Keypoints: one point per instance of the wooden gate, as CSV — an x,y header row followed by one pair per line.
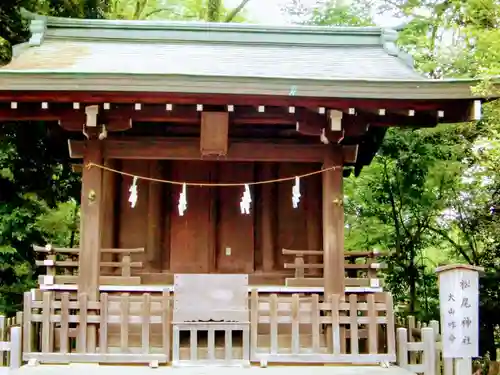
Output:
x,y
209,304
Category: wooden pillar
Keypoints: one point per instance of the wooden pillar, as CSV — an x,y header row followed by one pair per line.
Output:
x,y
90,231
108,235
333,224
314,221
267,210
155,204
168,210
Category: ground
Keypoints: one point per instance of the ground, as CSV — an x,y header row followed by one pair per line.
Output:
x,y
83,369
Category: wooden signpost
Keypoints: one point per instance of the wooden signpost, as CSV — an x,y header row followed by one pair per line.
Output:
x,y
459,301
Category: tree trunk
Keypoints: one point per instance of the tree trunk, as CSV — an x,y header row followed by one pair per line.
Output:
x,y
412,281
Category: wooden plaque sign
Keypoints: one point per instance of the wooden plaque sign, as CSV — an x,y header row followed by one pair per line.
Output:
x,y
214,133
210,298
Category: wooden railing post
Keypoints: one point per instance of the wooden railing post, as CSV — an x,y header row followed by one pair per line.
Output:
x,y
402,353
3,336
126,266
411,338
434,324
15,347
429,352
299,267
50,263
254,322
28,337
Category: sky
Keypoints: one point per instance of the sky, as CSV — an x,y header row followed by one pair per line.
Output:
x,y
269,12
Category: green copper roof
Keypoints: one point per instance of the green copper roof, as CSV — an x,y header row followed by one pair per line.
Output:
x,y
75,54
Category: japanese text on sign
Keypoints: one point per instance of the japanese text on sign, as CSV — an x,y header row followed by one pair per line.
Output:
x,y
458,296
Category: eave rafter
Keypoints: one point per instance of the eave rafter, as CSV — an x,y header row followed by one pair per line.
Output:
x,y
349,122
311,119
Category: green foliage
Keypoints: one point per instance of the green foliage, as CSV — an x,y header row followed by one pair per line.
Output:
x,y
208,10
331,12
35,176
60,224
397,198
432,196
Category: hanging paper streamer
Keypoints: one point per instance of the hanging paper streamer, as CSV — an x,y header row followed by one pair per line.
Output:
x,y
246,200
182,201
323,137
296,193
133,193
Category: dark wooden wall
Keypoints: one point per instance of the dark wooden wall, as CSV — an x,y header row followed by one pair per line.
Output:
x,y
213,226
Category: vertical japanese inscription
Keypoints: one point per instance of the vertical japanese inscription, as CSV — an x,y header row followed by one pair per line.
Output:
x,y
459,312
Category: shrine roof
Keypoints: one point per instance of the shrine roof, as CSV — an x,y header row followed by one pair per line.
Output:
x,y
187,57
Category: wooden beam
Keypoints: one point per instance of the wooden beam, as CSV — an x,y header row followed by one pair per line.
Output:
x,y
188,149
178,149
31,113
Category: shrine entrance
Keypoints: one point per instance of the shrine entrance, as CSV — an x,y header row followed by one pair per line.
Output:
x,y
191,242
211,235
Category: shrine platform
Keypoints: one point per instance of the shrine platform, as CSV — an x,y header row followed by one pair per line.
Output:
x,y
280,289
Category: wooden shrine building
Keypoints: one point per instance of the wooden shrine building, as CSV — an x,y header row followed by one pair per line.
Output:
x,y
215,104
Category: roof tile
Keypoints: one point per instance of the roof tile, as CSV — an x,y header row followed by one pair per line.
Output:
x,y
215,59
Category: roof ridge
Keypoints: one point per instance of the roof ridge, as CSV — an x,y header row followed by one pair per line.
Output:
x,y
63,22
389,38
59,27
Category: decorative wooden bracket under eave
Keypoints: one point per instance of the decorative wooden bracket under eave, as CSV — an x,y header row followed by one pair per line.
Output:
x,y
74,123
333,125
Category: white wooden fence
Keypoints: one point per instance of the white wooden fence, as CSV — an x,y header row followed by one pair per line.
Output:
x,y
10,343
419,349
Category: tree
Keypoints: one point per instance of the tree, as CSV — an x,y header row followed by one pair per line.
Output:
x,y
432,196
398,195
206,10
331,12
